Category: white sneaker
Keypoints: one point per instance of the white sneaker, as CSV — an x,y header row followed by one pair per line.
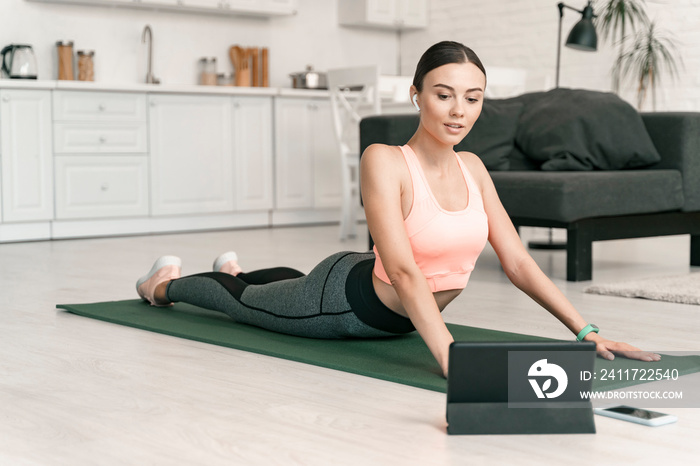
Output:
x,y
166,268
227,263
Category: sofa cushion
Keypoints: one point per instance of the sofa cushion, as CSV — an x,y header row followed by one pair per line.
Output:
x,y
569,196
493,136
575,129
392,130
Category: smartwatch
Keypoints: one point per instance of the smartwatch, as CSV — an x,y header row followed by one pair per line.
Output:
x,y
586,330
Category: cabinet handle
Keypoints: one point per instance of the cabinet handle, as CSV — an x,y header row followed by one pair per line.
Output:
x,y
153,103
101,107
6,98
103,139
236,105
104,187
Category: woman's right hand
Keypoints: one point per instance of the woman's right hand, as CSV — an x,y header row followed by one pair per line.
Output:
x,y
607,349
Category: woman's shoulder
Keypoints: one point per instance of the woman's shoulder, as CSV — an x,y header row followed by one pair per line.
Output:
x,y
381,150
475,166
381,157
383,167
471,160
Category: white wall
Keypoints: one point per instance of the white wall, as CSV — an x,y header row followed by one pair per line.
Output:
x,y
519,33
523,33
180,39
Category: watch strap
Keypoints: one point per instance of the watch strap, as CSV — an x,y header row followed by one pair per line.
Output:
x,y
586,330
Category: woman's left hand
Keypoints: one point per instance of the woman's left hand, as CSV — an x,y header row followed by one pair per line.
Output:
x,y
607,349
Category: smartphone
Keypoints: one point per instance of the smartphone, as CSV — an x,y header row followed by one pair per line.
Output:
x,y
640,416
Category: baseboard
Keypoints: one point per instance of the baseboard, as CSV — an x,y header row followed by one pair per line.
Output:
x,y
70,229
304,216
31,231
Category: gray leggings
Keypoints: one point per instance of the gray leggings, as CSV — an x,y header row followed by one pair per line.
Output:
x,y
335,300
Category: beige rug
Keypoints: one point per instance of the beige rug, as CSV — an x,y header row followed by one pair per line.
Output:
x,y
684,289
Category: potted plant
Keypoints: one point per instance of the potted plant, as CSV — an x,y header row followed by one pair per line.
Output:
x,y
646,60
613,20
650,54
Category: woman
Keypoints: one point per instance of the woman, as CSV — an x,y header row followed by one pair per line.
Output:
x,y
430,212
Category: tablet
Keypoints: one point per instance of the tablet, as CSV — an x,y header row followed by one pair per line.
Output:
x,y
520,387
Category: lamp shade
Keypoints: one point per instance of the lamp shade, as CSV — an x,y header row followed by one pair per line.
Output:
x,y
583,35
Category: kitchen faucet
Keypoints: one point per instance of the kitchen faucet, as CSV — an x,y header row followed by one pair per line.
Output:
x,y
150,79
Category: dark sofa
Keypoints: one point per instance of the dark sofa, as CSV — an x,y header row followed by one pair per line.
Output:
x,y
584,161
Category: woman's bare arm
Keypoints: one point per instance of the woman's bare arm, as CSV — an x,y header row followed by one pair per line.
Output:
x,y
525,274
381,172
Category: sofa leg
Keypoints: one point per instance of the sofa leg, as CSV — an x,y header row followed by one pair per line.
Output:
x,y
579,255
695,250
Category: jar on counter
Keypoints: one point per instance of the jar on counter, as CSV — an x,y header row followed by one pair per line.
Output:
x,y
224,79
207,70
86,66
65,60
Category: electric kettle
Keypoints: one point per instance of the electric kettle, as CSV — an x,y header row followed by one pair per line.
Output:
x,y
19,62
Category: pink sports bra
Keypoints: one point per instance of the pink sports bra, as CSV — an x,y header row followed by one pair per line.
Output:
x,y
445,244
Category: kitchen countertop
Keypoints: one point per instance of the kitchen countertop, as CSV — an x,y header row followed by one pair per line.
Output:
x,y
159,88
388,104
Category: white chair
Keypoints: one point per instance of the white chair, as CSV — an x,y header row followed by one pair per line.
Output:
x,y
354,94
395,89
503,82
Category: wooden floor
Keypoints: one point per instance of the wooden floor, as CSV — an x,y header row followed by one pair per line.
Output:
x,y
76,391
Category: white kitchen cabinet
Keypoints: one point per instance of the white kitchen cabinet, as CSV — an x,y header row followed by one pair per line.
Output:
x,y
100,154
293,157
91,106
88,122
326,157
191,154
104,137
132,3
413,13
281,7
384,14
96,162
232,7
307,164
89,187
25,155
252,147
261,7
205,4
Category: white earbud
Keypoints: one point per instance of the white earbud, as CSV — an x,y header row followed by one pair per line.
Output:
x,y
415,102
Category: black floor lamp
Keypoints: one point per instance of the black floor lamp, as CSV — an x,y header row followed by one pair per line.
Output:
x,y
582,37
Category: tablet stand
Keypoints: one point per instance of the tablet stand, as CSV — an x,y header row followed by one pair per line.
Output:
x,y
498,418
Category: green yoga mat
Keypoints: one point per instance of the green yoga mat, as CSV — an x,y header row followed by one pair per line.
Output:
x,y
403,359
